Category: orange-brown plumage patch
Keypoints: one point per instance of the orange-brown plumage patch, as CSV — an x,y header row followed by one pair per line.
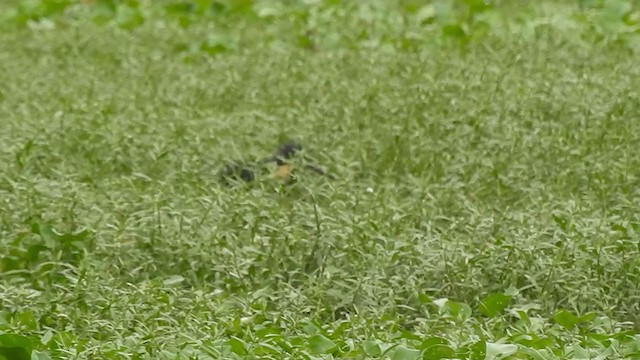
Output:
x,y
283,171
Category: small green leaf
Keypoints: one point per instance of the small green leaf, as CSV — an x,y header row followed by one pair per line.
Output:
x,y
439,352
587,317
5,316
237,346
566,319
12,340
217,43
103,12
426,14
47,234
38,355
46,337
433,341
511,291
266,349
27,319
129,17
616,10
478,350
457,309
562,222
33,252
71,238
321,344
578,352
405,353
372,348
542,343
500,351
179,8
494,304
455,31
476,6
15,347
535,354
310,328
424,298
173,280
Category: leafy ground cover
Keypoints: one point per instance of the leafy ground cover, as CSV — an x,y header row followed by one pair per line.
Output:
x,y
484,201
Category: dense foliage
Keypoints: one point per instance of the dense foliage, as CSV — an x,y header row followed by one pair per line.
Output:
x,y
483,201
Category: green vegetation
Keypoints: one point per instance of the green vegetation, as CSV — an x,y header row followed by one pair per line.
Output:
x,y
485,199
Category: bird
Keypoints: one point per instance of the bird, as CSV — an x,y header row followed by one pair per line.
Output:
x,y
236,171
282,157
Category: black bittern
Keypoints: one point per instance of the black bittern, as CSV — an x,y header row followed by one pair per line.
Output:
x,y
236,172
